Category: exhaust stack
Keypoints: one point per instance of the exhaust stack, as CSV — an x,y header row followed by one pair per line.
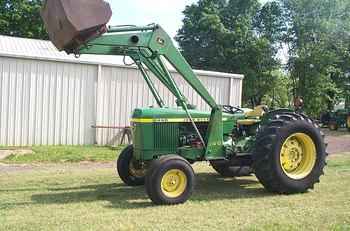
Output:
x,y
71,23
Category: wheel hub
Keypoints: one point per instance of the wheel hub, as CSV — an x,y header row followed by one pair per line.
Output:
x,y
292,154
298,155
174,183
137,172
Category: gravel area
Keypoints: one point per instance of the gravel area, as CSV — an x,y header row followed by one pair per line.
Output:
x,y
338,142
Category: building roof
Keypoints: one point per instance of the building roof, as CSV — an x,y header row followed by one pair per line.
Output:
x,y
45,50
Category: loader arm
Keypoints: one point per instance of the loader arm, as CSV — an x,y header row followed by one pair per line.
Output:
x,y
148,43
148,46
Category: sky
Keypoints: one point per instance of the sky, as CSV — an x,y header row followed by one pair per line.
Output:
x,y
142,12
168,14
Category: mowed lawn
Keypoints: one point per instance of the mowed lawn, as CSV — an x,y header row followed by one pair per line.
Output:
x,y
72,197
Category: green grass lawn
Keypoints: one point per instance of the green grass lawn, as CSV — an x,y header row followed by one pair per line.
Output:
x,y
57,154
69,197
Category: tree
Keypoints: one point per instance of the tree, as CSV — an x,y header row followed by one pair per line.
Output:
x,y
21,18
280,95
319,47
235,36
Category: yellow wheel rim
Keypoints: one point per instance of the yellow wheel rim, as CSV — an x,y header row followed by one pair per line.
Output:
x,y
174,183
348,122
298,156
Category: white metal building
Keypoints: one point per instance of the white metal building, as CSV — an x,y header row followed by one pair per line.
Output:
x,y
50,98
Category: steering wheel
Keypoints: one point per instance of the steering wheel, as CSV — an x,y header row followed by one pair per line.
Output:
x,y
231,109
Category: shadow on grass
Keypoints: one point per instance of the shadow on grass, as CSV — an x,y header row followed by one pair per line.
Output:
x,y
209,187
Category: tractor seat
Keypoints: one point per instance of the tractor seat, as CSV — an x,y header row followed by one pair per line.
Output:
x,y
258,112
253,117
248,122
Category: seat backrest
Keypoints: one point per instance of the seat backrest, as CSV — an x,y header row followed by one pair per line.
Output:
x,y
258,111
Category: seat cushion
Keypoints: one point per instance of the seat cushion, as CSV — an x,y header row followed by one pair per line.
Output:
x,y
248,122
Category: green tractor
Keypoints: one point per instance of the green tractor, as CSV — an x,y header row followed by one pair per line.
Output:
x,y
284,149
336,119
339,119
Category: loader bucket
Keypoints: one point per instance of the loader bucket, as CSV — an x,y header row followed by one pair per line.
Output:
x,y
71,23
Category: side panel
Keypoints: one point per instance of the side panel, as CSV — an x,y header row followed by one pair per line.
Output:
x,y
156,139
143,135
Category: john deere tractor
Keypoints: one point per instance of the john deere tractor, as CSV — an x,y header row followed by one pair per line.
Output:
x,y
336,119
284,149
339,119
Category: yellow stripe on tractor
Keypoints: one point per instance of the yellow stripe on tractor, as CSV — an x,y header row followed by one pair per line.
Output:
x,y
170,120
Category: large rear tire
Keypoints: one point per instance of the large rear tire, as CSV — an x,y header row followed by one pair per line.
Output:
x,y
289,155
128,170
170,180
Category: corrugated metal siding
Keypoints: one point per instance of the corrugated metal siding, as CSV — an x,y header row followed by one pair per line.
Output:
x,y
50,98
45,103
45,50
235,92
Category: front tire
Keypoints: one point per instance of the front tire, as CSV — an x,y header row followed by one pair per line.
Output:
x,y
333,126
289,155
170,180
127,168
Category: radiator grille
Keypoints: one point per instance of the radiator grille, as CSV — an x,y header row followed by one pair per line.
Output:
x,y
166,136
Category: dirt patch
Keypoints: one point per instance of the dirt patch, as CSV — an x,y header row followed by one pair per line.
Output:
x,y
8,168
4,153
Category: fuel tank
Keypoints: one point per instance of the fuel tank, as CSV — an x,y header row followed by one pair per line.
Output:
x,y
71,23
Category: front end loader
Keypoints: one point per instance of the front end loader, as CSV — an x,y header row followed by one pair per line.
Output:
x,y
284,149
